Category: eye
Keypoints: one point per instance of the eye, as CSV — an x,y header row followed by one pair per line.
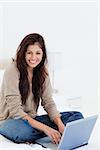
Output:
x,y
28,52
38,53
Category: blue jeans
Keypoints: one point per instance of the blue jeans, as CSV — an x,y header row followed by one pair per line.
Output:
x,y
20,131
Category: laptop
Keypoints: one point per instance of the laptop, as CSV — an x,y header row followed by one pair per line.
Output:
x,y
76,134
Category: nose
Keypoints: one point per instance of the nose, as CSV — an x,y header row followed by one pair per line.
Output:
x,y
33,56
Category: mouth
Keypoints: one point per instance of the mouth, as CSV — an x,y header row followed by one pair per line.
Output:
x,y
33,62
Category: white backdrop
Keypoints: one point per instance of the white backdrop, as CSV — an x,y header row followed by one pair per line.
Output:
x,y
70,30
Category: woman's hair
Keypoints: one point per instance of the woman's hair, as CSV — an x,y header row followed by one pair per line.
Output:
x,y
40,72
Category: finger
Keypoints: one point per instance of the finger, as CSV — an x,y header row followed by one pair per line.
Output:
x,y
55,140
56,137
59,134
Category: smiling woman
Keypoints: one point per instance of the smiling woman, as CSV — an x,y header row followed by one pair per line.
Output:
x,y
26,81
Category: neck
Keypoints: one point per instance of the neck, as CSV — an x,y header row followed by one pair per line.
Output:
x,y
30,70
30,74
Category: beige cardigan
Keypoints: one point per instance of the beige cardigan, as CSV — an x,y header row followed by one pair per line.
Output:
x,y
10,99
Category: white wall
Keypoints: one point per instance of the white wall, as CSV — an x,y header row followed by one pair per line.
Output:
x,y
70,31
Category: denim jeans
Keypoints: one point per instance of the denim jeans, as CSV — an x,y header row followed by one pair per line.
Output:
x,y
20,131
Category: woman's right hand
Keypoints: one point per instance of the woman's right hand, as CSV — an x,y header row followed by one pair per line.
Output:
x,y
53,134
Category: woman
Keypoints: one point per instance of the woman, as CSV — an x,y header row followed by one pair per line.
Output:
x,y
26,82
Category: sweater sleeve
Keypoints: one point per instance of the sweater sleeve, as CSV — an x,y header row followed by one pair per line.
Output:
x,y
12,93
47,100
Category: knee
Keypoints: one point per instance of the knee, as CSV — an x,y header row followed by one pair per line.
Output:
x,y
18,138
71,116
11,136
78,115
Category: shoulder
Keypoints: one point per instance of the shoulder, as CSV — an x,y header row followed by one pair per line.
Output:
x,y
46,74
47,82
11,70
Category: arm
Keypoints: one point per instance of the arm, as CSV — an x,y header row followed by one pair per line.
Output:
x,y
47,101
50,106
53,134
11,93
59,123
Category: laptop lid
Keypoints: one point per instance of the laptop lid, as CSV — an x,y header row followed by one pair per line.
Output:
x,y
77,133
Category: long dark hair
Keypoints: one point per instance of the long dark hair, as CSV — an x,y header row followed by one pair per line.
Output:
x,y
40,72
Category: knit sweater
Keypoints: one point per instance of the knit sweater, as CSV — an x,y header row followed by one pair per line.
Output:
x,y
10,100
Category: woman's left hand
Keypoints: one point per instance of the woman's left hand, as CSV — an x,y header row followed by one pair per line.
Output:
x,y
61,127
59,123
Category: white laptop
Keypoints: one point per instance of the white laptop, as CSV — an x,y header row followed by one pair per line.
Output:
x,y
76,134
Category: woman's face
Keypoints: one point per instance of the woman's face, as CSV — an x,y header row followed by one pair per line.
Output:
x,y
33,55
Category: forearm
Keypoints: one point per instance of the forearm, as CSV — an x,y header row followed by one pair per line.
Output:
x,y
59,123
36,124
57,120
52,133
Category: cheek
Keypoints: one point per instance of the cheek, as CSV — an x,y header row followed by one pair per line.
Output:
x,y
40,58
26,58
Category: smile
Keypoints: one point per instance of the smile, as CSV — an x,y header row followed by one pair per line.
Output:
x,y
32,62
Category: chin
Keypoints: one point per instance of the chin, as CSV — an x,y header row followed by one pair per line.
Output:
x,y
33,66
